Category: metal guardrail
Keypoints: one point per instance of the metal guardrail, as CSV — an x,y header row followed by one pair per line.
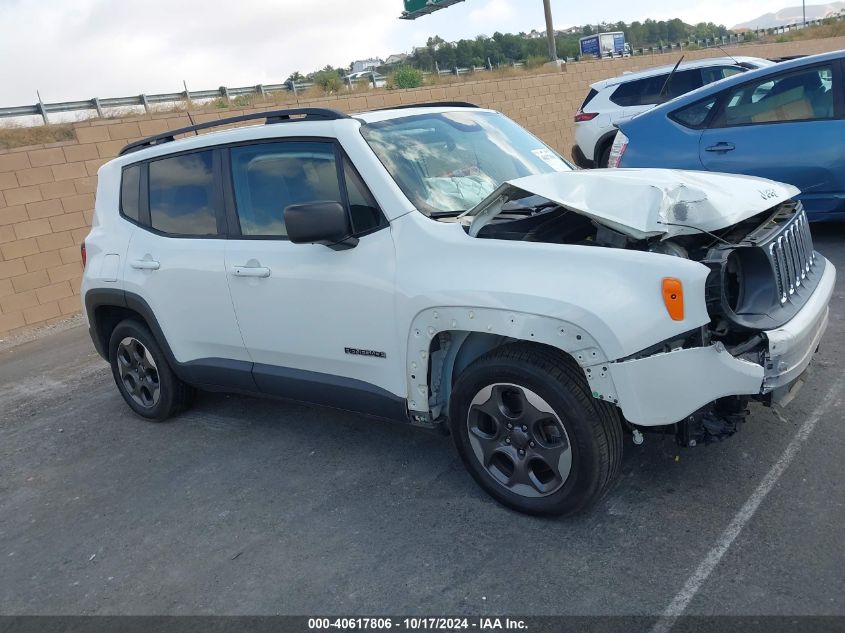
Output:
x,y
147,101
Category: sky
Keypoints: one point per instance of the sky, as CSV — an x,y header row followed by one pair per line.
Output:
x,y
79,49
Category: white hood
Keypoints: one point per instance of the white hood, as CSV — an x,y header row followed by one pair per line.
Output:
x,y
645,202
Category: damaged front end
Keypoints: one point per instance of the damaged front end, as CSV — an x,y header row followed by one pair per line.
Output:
x,y
713,423
766,293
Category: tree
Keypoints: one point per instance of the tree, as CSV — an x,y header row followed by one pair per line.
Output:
x,y
407,77
677,30
329,79
464,52
503,48
445,55
422,58
635,34
435,42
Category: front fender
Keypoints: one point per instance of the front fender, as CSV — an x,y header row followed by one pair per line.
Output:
x,y
602,303
614,294
511,324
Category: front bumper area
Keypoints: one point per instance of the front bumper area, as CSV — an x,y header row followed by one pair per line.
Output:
x,y
666,388
791,346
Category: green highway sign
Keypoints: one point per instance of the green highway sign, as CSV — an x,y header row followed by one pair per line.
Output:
x,y
418,8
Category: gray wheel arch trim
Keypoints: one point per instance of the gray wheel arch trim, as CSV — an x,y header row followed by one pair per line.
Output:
x,y
604,138
113,297
512,325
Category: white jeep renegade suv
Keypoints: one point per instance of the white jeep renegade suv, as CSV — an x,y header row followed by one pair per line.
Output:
x,y
439,265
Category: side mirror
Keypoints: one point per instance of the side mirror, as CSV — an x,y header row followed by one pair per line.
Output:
x,y
323,222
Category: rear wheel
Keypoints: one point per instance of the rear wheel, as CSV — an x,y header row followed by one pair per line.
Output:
x,y
143,375
530,433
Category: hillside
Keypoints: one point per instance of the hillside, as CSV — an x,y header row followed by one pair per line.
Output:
x,y
791,15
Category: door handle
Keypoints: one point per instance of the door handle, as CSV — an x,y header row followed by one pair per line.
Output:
x,y
145,264
721,147
251,271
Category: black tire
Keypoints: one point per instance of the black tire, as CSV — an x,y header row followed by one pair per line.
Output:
x,y
604,157
158,394
593,430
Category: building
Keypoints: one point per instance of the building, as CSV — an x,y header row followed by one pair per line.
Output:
x,y
361,65
396,58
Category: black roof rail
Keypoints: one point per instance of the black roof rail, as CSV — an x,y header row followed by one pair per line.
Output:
x,y
271,117
431,104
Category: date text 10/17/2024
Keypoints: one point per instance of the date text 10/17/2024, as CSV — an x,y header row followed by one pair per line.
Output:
x,y
481,624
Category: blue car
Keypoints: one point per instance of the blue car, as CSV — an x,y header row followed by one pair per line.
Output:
x,y
785,122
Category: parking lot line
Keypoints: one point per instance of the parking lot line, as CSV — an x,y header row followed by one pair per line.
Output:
x,y
681,601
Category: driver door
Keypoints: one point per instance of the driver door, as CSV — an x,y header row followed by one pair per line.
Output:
x,y
318,323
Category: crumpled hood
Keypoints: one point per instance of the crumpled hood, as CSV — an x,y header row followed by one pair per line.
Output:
x,y
645,202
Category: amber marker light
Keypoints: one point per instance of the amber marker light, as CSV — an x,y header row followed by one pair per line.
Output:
x,y
673,297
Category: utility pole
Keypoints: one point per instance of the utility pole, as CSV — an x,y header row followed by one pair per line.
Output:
x,y
804,11
550,30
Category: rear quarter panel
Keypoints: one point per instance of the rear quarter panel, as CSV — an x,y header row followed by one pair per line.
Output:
x,y
106,243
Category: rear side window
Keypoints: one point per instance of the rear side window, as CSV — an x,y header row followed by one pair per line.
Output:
x,y
648,91
715,73
639,92
130,191
628,94
590,95
695,115
182,195
682,82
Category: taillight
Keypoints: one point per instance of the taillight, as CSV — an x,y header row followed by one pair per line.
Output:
x,y
84,256
617,151
580,117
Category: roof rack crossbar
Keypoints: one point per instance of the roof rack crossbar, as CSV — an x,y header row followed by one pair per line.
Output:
x,y
431,104
271,117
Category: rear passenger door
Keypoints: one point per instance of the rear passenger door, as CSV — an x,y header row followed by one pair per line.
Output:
x,y
787,127
317,322
175,261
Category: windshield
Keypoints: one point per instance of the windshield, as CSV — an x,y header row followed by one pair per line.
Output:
x,y
446,163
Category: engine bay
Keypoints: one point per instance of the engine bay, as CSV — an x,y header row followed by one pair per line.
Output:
x,y
747,281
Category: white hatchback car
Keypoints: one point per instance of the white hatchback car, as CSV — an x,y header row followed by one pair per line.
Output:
x,y
441,266
621,97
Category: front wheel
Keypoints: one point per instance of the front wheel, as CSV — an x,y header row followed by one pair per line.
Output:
x,y
531,434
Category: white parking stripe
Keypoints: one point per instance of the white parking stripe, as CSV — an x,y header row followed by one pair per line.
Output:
x,y
706,567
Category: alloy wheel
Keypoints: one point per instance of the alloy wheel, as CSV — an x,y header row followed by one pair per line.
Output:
x,y
138,372
519,440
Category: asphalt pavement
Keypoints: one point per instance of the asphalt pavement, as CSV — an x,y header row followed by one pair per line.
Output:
x,y
251,506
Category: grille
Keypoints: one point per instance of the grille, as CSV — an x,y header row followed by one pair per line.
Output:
x,y
792,255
